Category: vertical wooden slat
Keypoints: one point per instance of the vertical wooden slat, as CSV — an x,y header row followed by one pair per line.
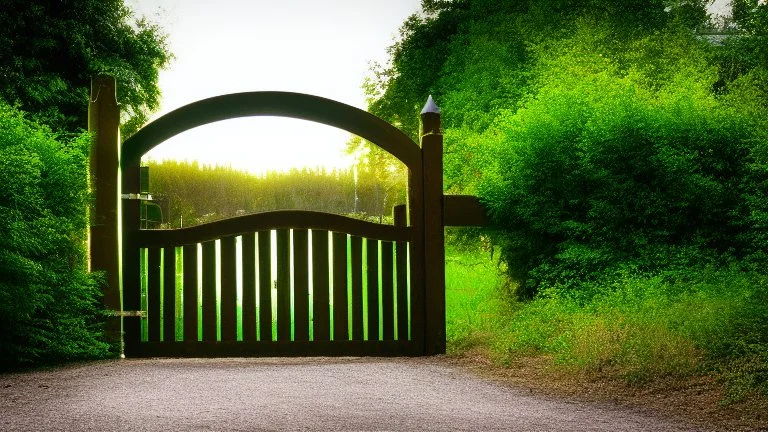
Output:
x,y
401,269
320,297
372,277
189,293
265,285
356,246
169,294
249,286
153,294
387,292
228,306
340,300
283,285
416,256
131,260
209,291
300,285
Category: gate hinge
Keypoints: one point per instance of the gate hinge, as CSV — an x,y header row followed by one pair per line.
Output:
x,y
133,196
140,314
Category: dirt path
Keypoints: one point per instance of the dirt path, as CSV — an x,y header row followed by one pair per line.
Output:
x,y
292,394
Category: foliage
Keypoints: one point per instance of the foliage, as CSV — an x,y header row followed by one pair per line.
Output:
x,y
50,50
623,158
49,303
190,194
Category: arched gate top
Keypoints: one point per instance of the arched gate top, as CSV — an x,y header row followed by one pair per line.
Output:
x,y
272,103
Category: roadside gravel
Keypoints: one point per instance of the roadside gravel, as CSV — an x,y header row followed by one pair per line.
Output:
x,y
424,394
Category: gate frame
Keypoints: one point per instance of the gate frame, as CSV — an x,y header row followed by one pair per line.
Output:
x,y
429,211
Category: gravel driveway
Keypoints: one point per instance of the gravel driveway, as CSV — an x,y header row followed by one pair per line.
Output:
x,y
291,394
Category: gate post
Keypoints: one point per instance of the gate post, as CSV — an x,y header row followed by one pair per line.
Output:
x,y
434,233
103,125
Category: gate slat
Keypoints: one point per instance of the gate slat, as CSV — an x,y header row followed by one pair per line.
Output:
x,y
228,306
265,285
189,293
401,263
169,294
340,300
153,294
320,298
249,286
401,269
283,286
300,285
372,277
209,291
387,292
356,246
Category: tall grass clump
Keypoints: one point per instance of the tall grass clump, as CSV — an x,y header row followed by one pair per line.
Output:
x,y
642,328
49,303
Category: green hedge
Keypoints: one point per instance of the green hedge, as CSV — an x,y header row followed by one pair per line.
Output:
x,y
49,303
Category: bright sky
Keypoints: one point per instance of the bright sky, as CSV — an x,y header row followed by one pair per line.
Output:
x,y
319,47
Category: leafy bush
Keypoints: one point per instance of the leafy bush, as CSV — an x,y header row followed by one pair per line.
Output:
x,y
604,169
49,303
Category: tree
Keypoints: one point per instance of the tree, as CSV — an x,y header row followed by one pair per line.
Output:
x,y
50,50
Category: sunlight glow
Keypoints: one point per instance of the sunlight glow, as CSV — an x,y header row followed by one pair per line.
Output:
x,y
305,46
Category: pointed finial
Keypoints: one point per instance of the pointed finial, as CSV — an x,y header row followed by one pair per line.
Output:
x,y
430,107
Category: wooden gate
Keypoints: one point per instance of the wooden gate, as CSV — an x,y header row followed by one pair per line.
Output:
x,y
337,285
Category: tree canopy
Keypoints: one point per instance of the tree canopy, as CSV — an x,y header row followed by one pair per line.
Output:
x,y
603,135
50,50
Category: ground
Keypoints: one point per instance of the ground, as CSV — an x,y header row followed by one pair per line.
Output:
x,y
695,400
432,394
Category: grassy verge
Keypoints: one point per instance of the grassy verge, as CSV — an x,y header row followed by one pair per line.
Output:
x,y
637,331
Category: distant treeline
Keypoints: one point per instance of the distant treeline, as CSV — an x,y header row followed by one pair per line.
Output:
x,y
188,193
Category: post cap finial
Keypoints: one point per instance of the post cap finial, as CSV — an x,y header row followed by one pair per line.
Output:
x,y
430,107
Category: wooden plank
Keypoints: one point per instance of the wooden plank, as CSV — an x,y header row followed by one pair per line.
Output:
x,y
265,285
286,104
434,245
209,291
340,300
169,294
401,270
387,292
356,252
463,210
275,349
283,285
153,294
189,292
372,277
282,219
228,306
321,320
104,166
300,285
416,254
249,286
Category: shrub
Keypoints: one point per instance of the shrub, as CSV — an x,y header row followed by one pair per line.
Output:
x,y
49,303
606,169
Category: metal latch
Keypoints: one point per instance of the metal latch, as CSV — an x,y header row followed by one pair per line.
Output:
x,y
133,196
140,314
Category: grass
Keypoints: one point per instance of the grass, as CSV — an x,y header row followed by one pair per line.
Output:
x,y
638,329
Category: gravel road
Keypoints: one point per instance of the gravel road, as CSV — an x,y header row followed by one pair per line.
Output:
x,y
424,394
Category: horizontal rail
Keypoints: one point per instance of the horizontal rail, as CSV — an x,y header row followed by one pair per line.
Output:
x,y
281,219
275,349
463,210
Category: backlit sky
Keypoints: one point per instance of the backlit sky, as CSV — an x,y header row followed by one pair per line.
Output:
x,y
319,47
